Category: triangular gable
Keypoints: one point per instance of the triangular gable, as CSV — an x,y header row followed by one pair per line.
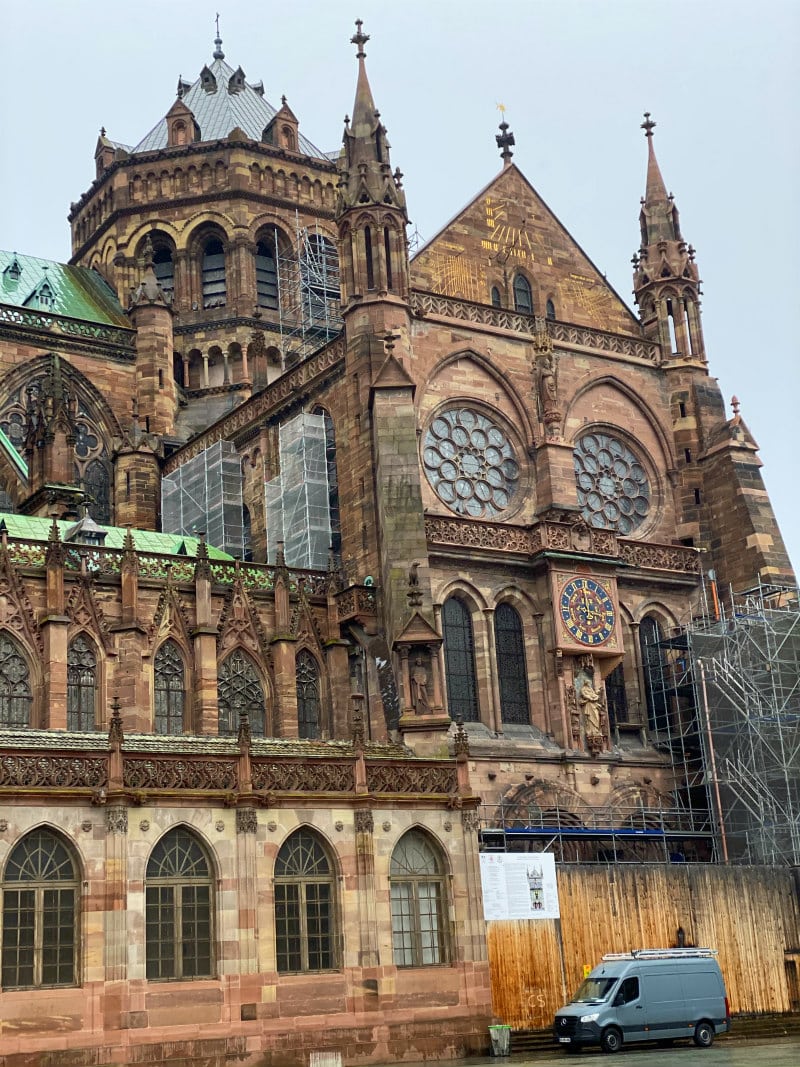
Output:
x,y
508,227
418,631
393,375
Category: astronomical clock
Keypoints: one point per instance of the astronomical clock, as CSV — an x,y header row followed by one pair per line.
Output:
x,y
586,613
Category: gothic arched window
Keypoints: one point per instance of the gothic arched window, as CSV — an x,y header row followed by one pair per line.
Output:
x,y
214,284
512,672
81,684
654,662
523,297
305,933
616,697
550,311
459,659
239,690
97,484
333,481
164,268
266,275
179,920
40,914
496,298
319,275
16,696
416,878
308,695
169,690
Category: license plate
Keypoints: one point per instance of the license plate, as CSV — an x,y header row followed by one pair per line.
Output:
x,y
565,1040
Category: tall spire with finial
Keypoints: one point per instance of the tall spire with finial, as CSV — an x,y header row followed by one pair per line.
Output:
x,y
366,181
218,53
665,277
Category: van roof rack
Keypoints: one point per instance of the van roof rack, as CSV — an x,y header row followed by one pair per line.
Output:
x,y
660,954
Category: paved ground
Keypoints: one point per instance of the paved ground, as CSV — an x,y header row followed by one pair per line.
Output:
x,y
779,1052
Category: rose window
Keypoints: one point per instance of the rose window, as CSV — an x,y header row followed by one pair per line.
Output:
x,y
613,488
470,463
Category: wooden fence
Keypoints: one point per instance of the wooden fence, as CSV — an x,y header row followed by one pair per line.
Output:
x,y
751,915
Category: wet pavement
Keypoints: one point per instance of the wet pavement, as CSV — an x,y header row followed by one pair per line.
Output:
x,y
778,1052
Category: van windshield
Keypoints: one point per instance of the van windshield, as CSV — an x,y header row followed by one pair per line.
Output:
x,y
594,989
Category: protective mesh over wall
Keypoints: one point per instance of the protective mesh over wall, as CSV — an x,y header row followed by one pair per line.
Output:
x,y
205,493
297,500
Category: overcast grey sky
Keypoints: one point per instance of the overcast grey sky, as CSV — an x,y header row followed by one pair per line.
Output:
x,y
721,78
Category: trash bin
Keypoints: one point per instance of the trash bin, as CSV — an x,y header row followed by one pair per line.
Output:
x,y
500,1037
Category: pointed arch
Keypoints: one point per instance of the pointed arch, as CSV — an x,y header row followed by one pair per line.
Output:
x,y
169,689
179,908
418,893
459,658
306,929
41,913
512,669
240,690
83,680
523,294
16,691
309,695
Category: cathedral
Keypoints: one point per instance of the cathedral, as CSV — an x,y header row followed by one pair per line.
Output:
x,y
324,568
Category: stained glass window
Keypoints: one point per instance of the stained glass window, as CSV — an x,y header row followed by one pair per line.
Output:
x,y
459,658
304,905
81,684
179,936
471,463
417,895
308,702
97,483
239,690
511,668
169,689
613,487
40,914
16,697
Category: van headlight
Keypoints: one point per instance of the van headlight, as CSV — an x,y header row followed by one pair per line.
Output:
x,y
590,1018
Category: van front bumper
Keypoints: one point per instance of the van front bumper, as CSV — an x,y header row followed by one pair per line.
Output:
x,y
569,1030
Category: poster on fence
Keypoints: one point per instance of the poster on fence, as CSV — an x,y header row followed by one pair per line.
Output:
x,y
519,885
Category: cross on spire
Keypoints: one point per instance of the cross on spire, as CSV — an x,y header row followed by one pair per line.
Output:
x,y
359,39
505,139
648,125
218,53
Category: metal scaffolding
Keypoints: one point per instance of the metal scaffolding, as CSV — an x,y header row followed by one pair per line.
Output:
x,y
297,501
309,297
205,494
747,680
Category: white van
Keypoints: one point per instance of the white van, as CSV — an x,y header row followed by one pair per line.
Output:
x,y
647,995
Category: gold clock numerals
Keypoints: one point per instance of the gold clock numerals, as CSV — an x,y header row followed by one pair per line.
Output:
x,y
587,611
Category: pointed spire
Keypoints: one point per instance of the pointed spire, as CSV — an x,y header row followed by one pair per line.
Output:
x,y
656,189
365,172
218,53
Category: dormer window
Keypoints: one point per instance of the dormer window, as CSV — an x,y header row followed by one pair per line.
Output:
x,y
13,271
236,82
287,138
42,298
208,81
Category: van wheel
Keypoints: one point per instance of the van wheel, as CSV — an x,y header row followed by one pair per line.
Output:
x,y
704,1035
611,1039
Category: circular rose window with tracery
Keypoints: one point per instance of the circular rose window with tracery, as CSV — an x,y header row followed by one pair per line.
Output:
x,y
613,487
471,464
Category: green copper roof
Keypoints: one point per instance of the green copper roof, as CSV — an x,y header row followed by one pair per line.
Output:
x,y
37,528
7,446
58,289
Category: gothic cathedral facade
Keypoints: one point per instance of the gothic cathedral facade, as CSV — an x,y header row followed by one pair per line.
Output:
x,y
317,560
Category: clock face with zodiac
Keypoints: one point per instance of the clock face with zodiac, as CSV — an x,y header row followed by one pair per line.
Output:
x,y
587,611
